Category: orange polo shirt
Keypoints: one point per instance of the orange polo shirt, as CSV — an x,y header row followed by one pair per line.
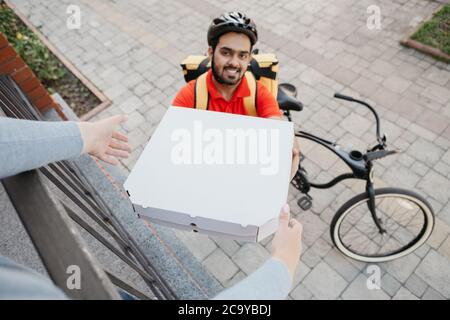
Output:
x,y
266,105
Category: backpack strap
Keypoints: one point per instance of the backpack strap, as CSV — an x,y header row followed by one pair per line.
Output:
x,y
201,94
250,101
194,66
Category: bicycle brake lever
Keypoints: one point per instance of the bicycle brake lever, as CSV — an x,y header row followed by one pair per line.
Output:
x,y
382,141
395,151
374,155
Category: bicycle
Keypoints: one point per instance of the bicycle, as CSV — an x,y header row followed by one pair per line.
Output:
x,y
377,225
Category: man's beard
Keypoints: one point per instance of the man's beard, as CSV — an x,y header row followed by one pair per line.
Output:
x,y
221,79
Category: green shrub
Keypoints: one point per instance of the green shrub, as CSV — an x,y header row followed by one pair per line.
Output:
x,y
35,54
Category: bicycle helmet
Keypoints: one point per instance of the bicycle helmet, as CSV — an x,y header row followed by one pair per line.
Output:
x,y
232,22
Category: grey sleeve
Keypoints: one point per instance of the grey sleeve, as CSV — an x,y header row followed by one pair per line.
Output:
x,y
21,283
271,281
26,144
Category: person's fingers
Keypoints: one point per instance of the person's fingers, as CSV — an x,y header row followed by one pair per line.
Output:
x,y
294,167
295,162
284,215
120,146
109,159
117,153
117,119
119,136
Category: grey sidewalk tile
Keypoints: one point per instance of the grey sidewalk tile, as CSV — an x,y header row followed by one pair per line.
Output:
x,y
434,269
250,256
389,284
358,290
200,245
324,282
402,268
404,294
432,294
220,266
416,285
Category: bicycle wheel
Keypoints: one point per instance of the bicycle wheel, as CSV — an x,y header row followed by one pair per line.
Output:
x,y
406,216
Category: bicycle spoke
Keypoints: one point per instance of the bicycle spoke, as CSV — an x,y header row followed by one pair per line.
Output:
x,y
401,219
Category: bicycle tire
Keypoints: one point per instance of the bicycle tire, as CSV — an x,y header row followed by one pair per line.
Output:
x,y
345,209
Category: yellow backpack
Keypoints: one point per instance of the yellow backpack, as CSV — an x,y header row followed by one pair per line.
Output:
x,y
263,67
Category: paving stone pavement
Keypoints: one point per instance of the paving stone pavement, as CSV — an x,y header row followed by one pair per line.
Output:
x,y
131,51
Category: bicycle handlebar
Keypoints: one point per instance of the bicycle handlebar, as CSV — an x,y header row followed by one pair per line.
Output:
x,y
381,140
341,96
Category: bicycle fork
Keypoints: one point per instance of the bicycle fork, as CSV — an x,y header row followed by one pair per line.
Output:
x,y
371,203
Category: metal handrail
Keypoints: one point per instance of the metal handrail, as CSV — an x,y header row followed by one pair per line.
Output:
x,y
78,191
57,241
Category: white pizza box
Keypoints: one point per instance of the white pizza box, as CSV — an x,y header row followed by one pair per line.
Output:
x,y
214,173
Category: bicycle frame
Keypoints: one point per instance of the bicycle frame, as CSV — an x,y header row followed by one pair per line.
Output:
x,y
353,159
361,169
361,165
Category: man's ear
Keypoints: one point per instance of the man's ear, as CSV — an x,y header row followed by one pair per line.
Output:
x,y
250,58
210,52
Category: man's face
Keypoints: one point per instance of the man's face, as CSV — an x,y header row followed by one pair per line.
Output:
x,y
231,58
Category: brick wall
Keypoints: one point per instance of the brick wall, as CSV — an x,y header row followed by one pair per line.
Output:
x,y
11,63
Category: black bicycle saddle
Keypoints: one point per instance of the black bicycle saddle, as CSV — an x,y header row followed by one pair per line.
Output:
x,y
286,101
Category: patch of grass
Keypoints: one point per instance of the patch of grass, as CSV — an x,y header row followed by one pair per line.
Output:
x,y
48,68
436,32
35,54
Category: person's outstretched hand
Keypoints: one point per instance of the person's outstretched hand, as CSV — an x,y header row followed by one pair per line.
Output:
x,y
287,243
101,139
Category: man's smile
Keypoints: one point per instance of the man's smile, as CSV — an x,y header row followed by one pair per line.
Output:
x,y
231,72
